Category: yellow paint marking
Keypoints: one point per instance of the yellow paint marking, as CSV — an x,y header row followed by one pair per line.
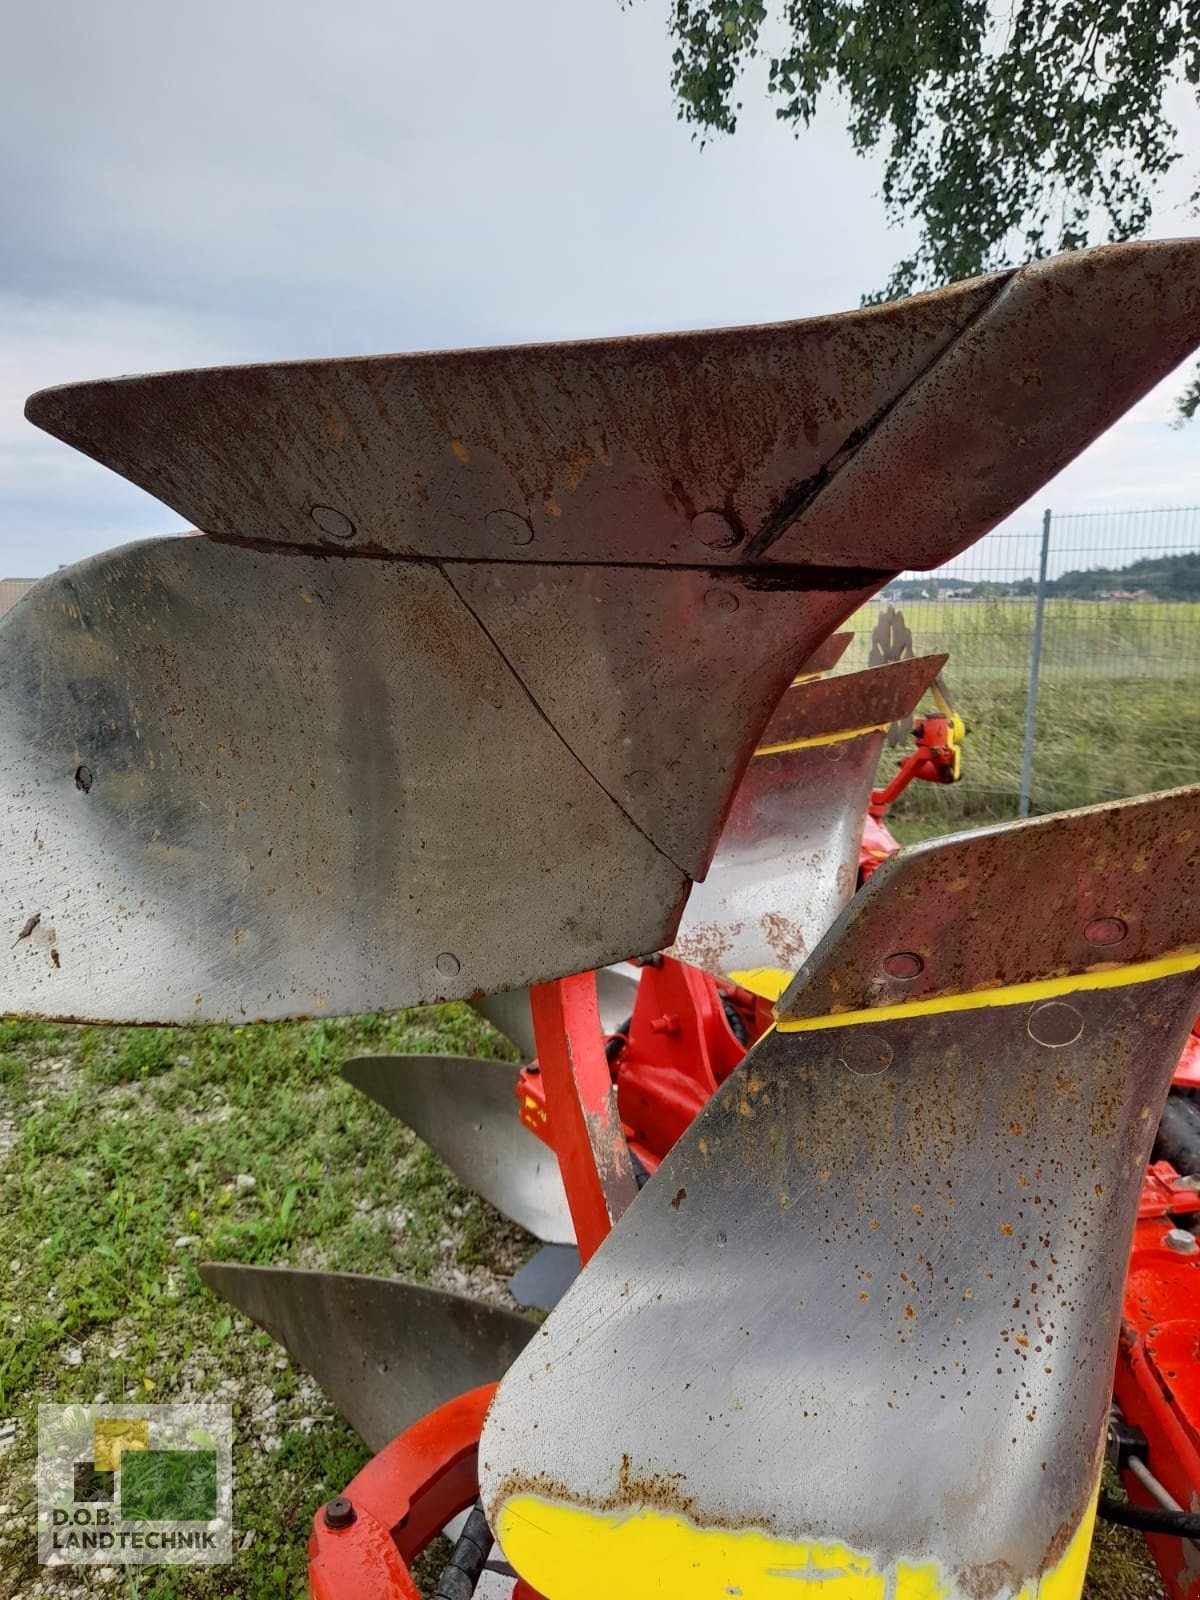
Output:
x,y
1012,994
769,982
819,738
570,1553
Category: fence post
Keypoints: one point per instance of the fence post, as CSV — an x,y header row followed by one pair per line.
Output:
x,y
1035,663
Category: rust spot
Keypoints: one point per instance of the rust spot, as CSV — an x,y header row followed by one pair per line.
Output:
x,y
28,928
784,938
986,1580
660,1491
679,1199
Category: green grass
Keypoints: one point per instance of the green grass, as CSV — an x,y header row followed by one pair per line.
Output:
x,y
1117,711
122,1175
168,1485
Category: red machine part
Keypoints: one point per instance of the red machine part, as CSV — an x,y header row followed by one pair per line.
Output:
x,y
570,1102
936,759
363,1542
1187,1074
878,843
687,1033
1157,1381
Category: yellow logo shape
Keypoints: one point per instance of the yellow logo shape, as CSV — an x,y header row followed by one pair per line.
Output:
x,y
112,1435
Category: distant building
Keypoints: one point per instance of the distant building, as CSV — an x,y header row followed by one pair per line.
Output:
x,y
11,590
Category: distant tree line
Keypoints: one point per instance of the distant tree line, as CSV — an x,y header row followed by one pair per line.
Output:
x,y
1150,577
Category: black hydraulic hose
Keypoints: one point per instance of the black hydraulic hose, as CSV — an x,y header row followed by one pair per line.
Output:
x,y
467,1559
1178,1138
1150,1519
617,1041
733,1017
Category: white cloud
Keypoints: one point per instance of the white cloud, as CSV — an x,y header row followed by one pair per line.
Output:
x,y
255,179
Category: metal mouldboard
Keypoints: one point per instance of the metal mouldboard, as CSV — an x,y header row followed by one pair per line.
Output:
x,y
466,1111
889,1253
479,631
385,1352
787,860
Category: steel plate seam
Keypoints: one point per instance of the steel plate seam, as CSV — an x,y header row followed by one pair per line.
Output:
x,y
805,495
533,701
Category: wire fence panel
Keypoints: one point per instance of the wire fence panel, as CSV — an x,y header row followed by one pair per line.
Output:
x,y
1117,704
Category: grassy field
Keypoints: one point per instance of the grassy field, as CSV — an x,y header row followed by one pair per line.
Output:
x,y
1118,713
124,1156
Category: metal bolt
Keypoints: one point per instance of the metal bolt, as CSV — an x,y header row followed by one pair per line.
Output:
x,y
865,1053
333,524
639,780
903,964
1181,1240
1055,1024
448,964
834,752
1105,931
714,530
509,526
721,600
669,1024
339,1513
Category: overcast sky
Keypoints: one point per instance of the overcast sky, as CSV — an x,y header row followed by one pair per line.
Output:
x,y
247,180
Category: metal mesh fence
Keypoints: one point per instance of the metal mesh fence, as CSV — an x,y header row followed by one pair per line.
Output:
x,y
1117,704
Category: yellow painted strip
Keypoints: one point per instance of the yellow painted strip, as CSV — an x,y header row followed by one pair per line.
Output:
x,y
806,677
571,1553
1012,994
819,738
769,982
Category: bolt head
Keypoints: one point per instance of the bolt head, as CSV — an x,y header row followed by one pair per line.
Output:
x,y
714,530
1181,1241
903,964
509,527
866,1054
339,1513
1055,1024
1105,931
448,964
333,524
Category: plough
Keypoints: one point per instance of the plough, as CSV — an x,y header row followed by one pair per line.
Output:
x,y
498,675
